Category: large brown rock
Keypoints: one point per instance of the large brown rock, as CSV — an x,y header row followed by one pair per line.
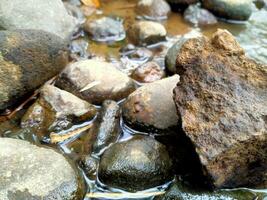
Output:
x,y
222,103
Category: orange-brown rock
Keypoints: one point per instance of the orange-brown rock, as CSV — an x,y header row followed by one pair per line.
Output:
x,y
222,103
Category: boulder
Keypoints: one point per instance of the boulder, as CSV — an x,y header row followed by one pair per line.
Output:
x,y
28,58
54,107
151,107
146,32
134,165
95,81
199,16
229,9
47,15
221,101
29,172
153,9
106,29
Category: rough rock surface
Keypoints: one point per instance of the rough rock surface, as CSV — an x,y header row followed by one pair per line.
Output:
x,y
28,58
54,107
137,164
146,32
153,9
46,15
95,81
151,107
29,172
222,101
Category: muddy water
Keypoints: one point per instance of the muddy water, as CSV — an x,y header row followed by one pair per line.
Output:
x,y
252,35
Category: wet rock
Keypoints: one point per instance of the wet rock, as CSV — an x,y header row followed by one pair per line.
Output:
x,y
76,12
199,16
30,172
89,165
55,110
28,58
137,164
229,9
260,3
47,15
181,192
148,72
95,81
170,58
146,32
221,100
151,107
106,29
78,49
153,9
181,5
106,128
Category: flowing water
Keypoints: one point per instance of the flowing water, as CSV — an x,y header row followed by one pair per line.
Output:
x,y
252,35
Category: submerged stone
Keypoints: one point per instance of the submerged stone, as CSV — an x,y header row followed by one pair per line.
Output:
x,y
222,100
29,172
134,165
28,58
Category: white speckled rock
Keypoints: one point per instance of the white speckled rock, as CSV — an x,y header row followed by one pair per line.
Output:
x,y
29,172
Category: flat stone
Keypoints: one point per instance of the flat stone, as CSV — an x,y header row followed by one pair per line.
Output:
x,y
28,58
29,172
222,101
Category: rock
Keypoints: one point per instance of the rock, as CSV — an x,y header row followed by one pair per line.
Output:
x,y
181,192
95,81
28,58
78,49
47,15
75,11
151,107
29,172
222,100
55,108
89,165
106,29
229,9
260,3
137,164
146,32
148,72
106,128
180,5
199,16
153,9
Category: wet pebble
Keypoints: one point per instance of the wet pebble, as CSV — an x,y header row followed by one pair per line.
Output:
x,y
134,165
89,164
79,49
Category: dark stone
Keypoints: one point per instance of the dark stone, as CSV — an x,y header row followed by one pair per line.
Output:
x,y
137,164
222,100
28,58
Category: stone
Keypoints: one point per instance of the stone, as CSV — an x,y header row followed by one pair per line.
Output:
x,y
182,2
179,191
76,12
199,16
106,29
151,107
134,165
28,58
89,165
106,129
29,172
148,73
78,49
229,9
153,9
95,81
146,32
222,100
170,58
54,107
47,15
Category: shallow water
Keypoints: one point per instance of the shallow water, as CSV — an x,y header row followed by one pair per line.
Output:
x,y
252,35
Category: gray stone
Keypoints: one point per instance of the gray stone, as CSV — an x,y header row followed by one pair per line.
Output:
x,y
137,164
222,101
29,172
46,15
151,107
28,58
95,81
146,32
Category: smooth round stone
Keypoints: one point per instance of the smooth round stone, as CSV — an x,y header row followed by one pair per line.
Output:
x,y
134,165
29,172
